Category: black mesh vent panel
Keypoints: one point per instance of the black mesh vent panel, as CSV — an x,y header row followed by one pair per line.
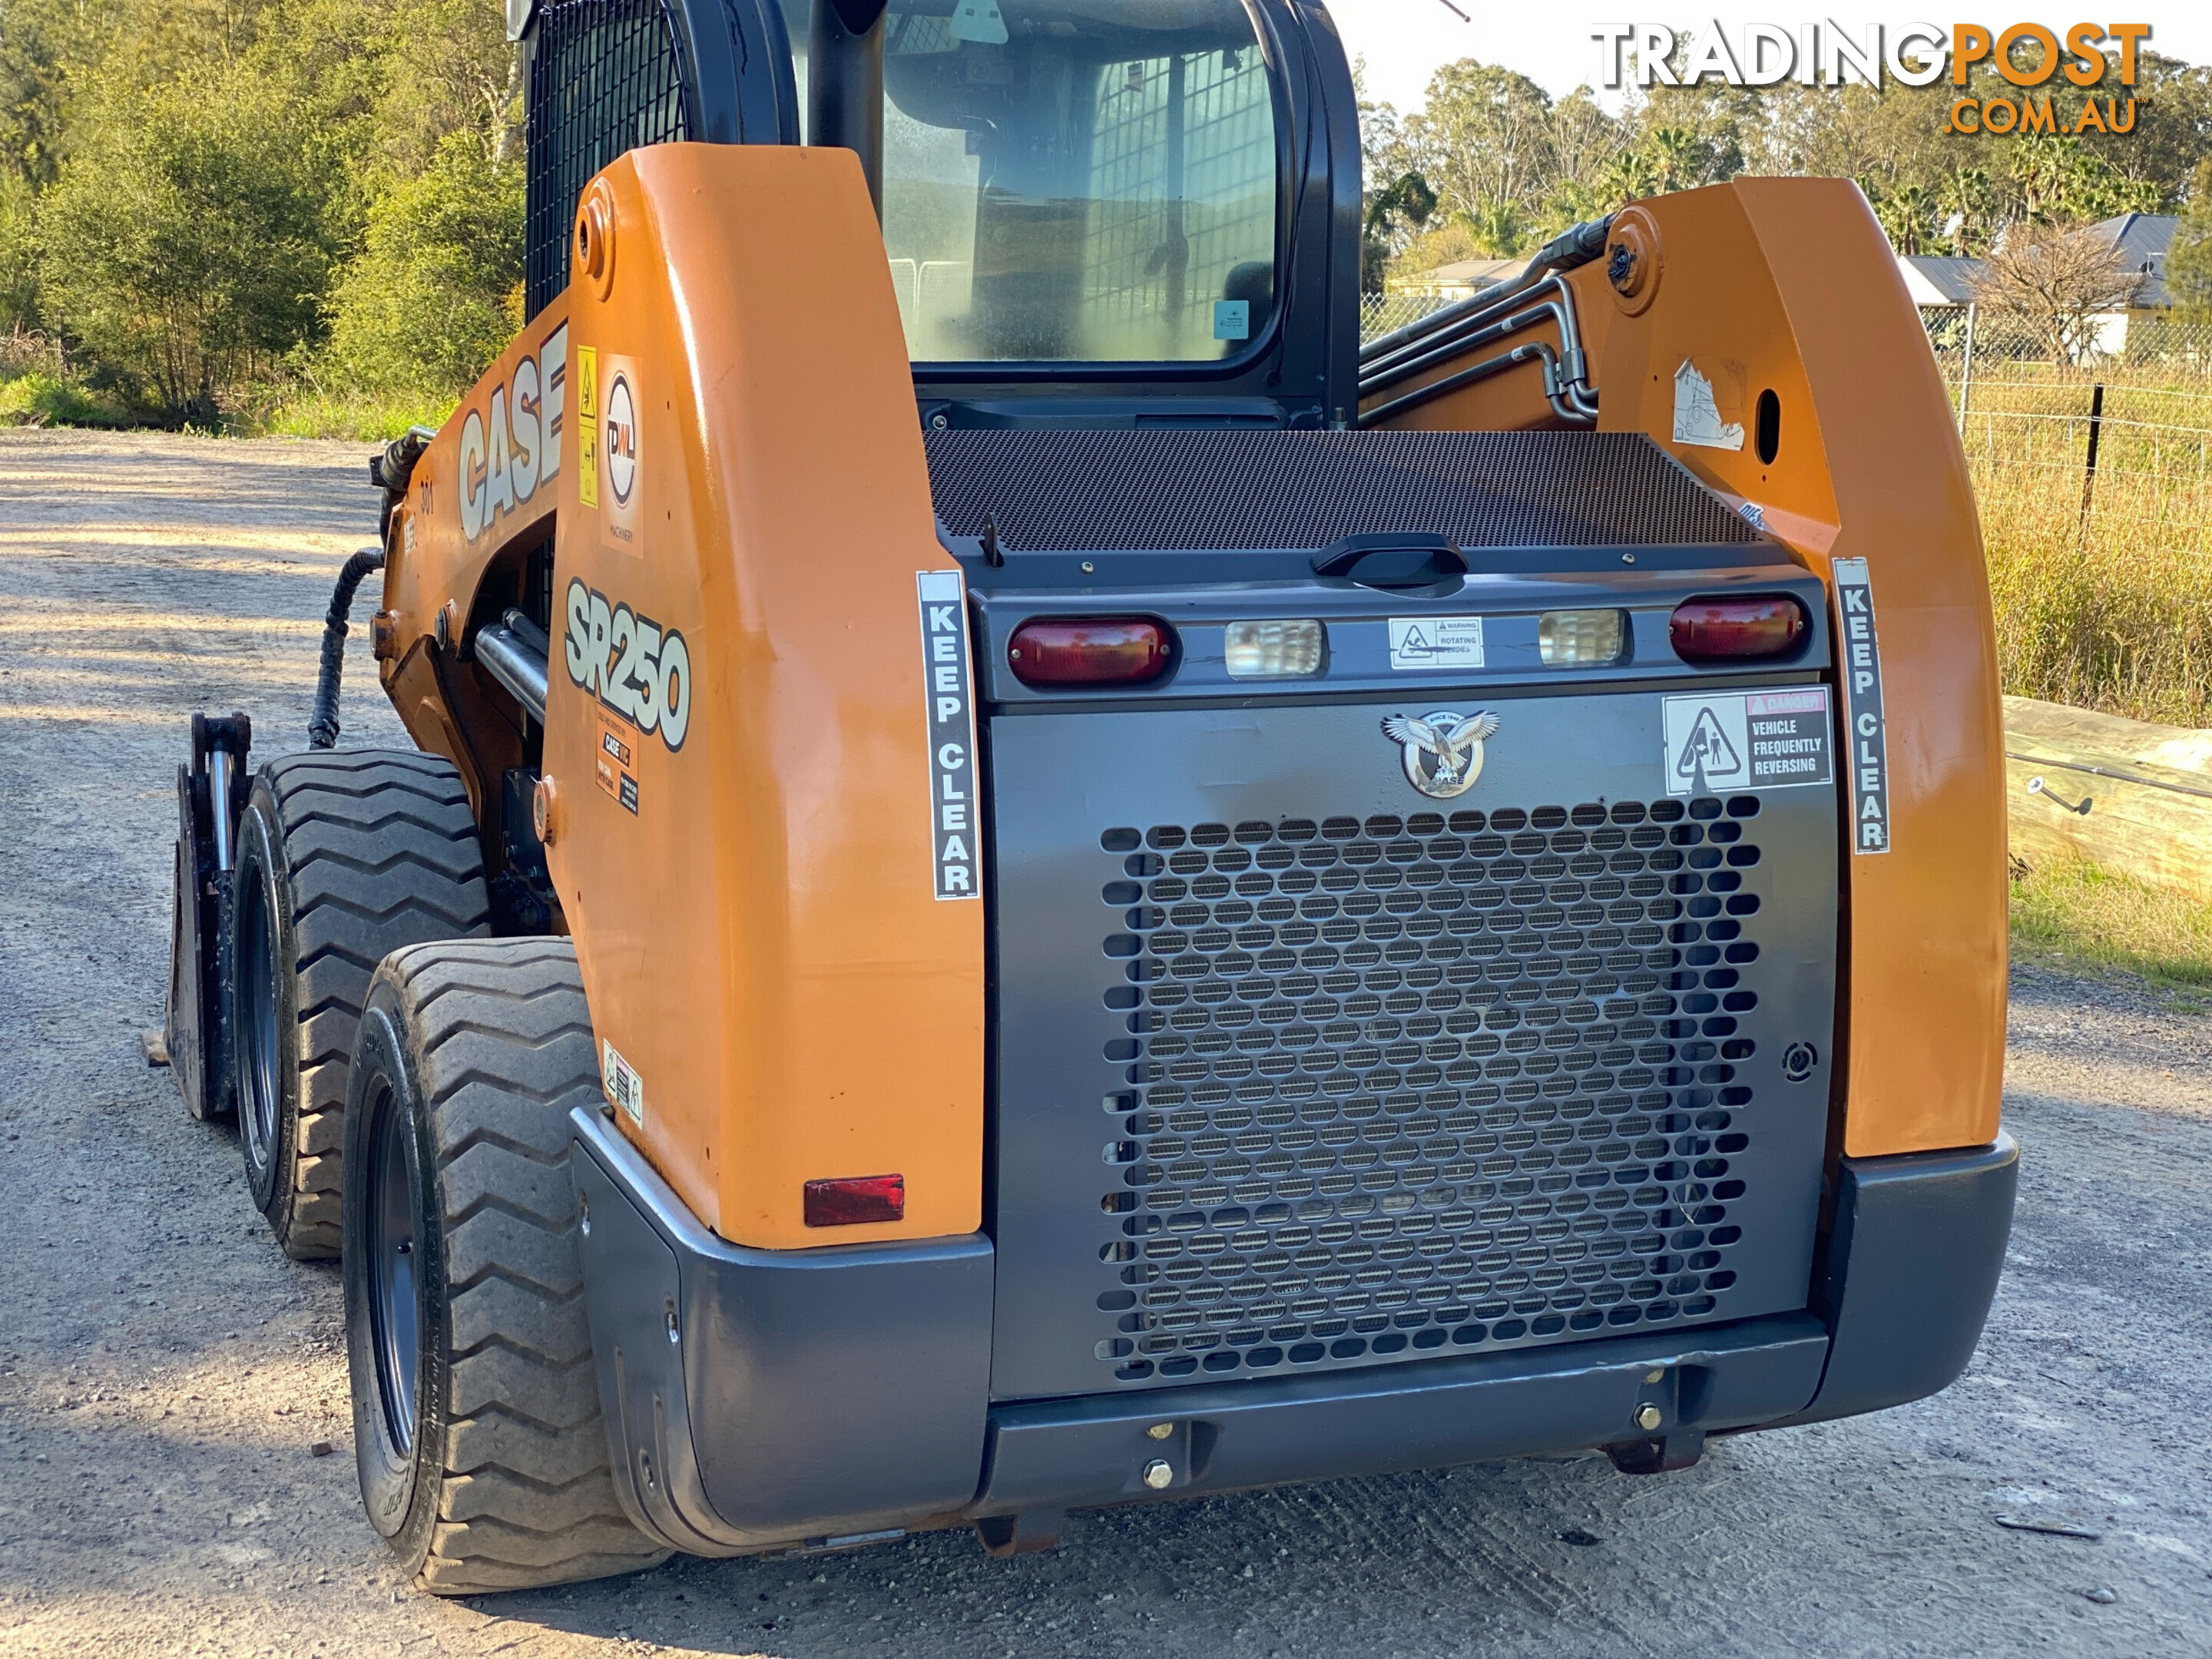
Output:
x,y
1218,489
1430,1084
604,78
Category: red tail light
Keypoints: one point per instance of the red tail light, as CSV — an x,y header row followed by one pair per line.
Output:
x,y
855,1199
1102,651
1729,631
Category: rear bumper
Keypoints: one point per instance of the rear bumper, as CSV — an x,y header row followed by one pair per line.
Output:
x,y
756,1400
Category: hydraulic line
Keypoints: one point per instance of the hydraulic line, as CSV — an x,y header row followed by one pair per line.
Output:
x,y
1537,294
1576,246
1566,381
323,728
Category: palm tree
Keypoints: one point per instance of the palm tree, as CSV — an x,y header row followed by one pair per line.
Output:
x,y
1672,151
1904,211
1497,230
1966,198
1632,176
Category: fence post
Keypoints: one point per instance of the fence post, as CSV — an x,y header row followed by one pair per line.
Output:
x,y
2096,425
1966,373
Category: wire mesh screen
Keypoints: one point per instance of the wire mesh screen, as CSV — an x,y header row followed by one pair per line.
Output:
x,y
1183,174
604,79
1407,1083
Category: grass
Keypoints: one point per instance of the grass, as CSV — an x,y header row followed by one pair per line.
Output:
x,y
38,397
2081,920
2104,608
369,418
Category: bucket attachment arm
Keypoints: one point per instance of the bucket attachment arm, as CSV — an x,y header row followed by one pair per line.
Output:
x,y
210,795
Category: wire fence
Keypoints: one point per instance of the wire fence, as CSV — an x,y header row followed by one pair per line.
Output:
x,y
2120,408
2120,403
2090,449
1381,313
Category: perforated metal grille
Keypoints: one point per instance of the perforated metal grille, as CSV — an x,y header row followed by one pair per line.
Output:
x,y
1402,1086
1198,490
604,78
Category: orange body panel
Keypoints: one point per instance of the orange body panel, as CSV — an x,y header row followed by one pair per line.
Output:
x,y
751,888
753,905
432,559
1789,285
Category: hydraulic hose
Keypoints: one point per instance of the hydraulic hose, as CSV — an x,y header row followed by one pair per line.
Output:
x,y
1576,246
323,728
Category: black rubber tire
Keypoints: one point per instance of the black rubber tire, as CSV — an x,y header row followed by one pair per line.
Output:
x,y
494,1474
343,856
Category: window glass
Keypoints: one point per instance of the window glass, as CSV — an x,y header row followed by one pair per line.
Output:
x,y
1078,180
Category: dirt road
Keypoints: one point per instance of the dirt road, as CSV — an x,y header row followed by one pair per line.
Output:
x,y
165,1375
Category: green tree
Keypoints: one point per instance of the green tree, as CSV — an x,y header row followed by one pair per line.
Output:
x,y
1967,200
185,242
437,292
1484,140
1498,230
19,257
1904,212
2189,260
1395,215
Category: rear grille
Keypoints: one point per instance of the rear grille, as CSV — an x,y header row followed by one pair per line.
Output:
x,y
1400,1086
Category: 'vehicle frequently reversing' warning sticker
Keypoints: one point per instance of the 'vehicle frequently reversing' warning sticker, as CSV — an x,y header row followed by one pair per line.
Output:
x,y
1747,740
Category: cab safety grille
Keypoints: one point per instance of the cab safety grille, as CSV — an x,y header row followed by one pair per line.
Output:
x,y
1402,1086
604,79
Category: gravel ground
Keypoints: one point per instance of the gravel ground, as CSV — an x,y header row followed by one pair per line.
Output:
x,y
165,1375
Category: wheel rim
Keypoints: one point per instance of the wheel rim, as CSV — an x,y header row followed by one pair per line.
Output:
x,y
256,1016
394,1336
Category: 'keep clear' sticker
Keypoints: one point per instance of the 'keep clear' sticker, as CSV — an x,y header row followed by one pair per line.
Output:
x,y
1866,729
1418,642
958,856
1747,740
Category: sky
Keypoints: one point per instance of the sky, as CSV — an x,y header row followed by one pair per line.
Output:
x,y
1549,40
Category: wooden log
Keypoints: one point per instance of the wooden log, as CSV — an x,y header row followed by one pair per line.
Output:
x,y
2147,791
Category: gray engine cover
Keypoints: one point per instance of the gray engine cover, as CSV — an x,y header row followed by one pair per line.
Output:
x,y
1299,1068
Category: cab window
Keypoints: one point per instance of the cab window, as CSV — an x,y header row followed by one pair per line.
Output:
x,y
1077,181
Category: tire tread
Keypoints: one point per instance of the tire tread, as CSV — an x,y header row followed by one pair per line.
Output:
x,y
502,1045
381,853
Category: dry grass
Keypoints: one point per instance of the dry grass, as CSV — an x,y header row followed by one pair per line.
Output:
x,y
2107,608
2074,916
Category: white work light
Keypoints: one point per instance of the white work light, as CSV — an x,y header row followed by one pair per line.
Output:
x,y
1571,638
1273,650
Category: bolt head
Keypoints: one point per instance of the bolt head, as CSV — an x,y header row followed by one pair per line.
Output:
x,y
1648,1417
1160,1431
1158,1474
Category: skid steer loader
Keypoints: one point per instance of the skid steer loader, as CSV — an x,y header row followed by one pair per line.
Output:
x,y
1032,880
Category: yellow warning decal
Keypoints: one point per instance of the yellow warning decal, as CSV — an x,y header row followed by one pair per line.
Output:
x,y
588,425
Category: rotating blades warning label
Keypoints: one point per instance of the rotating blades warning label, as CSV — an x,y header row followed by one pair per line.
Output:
x,y
1747,740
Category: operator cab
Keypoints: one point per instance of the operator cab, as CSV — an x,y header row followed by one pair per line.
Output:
x,y
1096,213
